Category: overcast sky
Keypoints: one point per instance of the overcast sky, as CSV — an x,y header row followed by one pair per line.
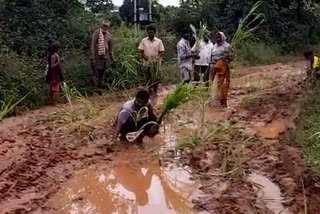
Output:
x,y
163,2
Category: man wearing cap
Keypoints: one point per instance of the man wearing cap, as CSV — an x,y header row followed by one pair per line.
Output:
x,y
101,46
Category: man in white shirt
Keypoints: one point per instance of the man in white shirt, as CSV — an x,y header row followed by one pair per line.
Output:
x,y
152,50
185,56
202,64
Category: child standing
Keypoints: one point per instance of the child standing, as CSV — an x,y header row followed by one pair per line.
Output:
x,y
54,76
313,69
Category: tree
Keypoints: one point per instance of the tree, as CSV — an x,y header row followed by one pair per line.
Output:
x,y
99,6
126,11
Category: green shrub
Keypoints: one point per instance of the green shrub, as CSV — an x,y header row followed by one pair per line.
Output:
x,y
20,76
258,53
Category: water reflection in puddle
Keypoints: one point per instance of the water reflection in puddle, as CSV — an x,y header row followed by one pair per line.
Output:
x,y
270,193
127,189
135,184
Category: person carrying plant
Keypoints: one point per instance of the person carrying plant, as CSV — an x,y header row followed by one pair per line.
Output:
x,y
152,50
313,66
220,59
136,114
185,56
101,46
54,75
202,64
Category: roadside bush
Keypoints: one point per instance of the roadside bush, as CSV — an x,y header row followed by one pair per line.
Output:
x,y
308,132
258,53
20,76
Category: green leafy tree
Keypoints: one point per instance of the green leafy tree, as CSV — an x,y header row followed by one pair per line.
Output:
x,y
99,6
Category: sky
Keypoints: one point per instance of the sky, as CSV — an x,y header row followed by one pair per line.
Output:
x,y
163,2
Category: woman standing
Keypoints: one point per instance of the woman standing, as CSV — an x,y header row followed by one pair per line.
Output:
x,y
221,70
54,76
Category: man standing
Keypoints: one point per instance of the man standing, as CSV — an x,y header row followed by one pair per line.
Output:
x,y
202,64
101,46
152,50
185,56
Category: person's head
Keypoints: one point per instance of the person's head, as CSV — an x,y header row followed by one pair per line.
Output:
x,y
53,47
186,34
105,25
142,99
220,38
308,55
151,32
206,39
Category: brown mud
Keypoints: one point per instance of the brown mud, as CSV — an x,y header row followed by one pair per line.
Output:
x,y
56,163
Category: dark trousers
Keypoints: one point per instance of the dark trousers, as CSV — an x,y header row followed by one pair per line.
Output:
x,y
152,81
98,67
199,69
131,126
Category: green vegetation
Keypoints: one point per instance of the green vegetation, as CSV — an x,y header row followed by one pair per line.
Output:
x,y
307,133
180,95
250,101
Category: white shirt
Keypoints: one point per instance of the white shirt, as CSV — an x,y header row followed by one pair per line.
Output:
x,y
151,48
184,50
205,53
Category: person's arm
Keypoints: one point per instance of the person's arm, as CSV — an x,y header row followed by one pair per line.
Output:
x,y
123,116
117,131
182,53
141,49
93,45
54,60
161,50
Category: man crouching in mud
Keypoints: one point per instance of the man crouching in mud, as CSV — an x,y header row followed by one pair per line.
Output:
x,y
134,115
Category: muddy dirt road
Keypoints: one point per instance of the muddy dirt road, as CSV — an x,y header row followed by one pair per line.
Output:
x,y
206,160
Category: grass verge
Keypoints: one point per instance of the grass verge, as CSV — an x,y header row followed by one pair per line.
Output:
x,y
308,129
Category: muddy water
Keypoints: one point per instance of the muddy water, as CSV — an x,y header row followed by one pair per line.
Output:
x,y
275,128
136,183
270,193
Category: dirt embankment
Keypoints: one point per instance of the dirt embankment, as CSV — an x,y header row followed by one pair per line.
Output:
x,y
246,155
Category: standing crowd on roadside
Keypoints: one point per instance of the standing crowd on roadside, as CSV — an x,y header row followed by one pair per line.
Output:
x,y
193,64
205,60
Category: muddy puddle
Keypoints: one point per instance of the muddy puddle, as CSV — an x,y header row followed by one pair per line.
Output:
x,y
138,182
270,193
275,128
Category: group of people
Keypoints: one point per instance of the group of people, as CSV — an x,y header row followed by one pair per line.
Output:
x,y
206,59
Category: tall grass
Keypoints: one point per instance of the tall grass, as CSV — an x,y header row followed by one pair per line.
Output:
x,y
7,107
247,26
307,133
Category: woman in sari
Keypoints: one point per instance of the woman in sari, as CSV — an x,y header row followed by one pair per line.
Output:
x,y
221,70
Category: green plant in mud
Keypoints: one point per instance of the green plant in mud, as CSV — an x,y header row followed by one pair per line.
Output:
x,y
190,142
203,98
7,107
217,133
181,94
74,120
250,101
232,162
